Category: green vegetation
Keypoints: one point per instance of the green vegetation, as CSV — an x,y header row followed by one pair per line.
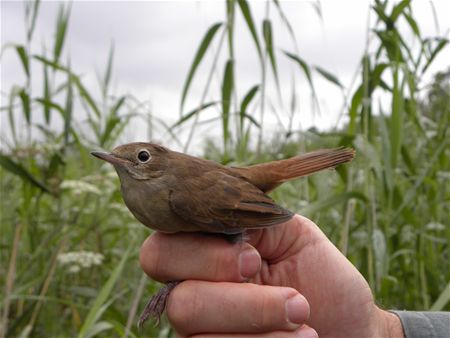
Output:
x,y
69,247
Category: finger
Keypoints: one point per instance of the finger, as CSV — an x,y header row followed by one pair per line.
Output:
x,y
195,256
200,307
302,332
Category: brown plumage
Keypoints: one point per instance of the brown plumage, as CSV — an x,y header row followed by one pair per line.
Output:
x,y
173,192
170,191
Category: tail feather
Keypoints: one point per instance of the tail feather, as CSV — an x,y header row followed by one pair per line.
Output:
x,y
267,176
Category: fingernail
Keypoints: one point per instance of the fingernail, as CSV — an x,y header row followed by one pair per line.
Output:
x,y
297,309
249,262
306,332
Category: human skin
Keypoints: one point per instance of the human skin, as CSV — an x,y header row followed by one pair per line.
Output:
x,y
298,285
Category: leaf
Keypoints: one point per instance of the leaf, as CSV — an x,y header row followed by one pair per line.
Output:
x,y
96,309
353,111
53,64
25,99
23,58
227,89
68,109
85,95
286,22
118,105
61,29
246,101
413,24
267,32
443,299
303,65
11,104
399,9
15,168
198,58
51,104
110,125
108,71
328,76
47,108
441,44
98,328
192,113
396,120
32,23
245,9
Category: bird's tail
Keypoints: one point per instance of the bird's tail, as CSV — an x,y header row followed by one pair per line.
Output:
x,y
267,176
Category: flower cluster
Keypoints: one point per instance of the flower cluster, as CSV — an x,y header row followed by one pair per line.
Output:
x,y
76,260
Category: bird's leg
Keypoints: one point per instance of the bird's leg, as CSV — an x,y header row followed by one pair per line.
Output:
x,y
157,304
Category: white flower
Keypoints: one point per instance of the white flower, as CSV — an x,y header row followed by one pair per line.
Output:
x,y
74,269
78,187
80,259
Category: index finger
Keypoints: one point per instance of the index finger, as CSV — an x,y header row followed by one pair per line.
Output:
x,y
181,256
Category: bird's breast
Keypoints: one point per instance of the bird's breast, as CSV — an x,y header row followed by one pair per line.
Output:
x,y
149,202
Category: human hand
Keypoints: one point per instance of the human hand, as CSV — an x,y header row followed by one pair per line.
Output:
x,y
291,261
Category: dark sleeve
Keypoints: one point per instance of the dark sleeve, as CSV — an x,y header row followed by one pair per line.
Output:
x,y
425,324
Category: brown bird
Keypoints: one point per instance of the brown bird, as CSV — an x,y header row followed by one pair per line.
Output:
x,y
171,192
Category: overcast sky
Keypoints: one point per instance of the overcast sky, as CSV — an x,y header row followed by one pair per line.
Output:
x,y
155,42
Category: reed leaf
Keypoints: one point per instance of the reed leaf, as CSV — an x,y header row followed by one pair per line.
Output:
x,y
268,39
97,308
204,45
245,102
192,113
26,105
246,12
23,59
15,168
328,76
61,29
227,89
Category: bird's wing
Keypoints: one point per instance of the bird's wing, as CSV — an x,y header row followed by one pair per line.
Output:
x,y
220,202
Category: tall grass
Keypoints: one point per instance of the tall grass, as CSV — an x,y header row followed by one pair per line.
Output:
x,y
388,211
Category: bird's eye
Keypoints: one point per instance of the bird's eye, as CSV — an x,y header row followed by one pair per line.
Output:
x,y
144,156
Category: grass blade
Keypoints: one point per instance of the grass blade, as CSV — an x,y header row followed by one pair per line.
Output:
x,y
399,9
328,76
61,29
23,59
47,108
108,71
94,314
68,109
32,23
197,59
55,65
192,113
268,39
442,300
227,89
15,168
307,71
245,102
25,99
396,120
85,95
245,9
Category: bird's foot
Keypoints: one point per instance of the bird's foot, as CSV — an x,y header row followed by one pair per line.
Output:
x,y
157,304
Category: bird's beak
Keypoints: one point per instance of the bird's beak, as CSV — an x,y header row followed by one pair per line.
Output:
x,y
108,157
